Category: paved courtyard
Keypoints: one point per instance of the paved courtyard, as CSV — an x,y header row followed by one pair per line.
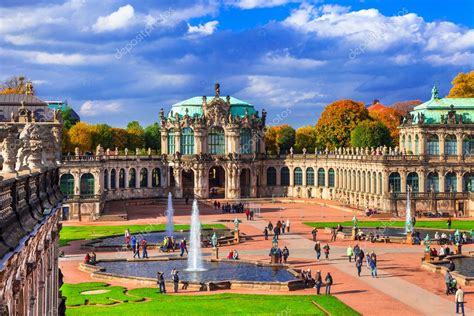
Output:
x,y
403,288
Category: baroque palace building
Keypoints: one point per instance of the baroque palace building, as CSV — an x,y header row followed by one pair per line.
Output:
x,y
30,207
214,147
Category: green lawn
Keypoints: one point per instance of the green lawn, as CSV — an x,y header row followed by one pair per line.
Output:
x,y
70,233
146,301
438,224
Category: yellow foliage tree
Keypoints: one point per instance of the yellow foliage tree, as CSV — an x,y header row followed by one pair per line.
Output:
x,y
463,86
305,138
81,135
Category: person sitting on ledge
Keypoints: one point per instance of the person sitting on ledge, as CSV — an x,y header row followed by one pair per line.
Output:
x,y
87,258
433,252
230,255
93,259
235,255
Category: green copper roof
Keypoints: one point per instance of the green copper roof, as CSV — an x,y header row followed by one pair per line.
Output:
x,y
194,107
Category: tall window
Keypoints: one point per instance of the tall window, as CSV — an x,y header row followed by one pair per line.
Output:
x,y
321,177
285,176
216,141
380,183
417,145
143,178
450,146
309,176
403,142
331,178
245,141
433,182
409,148
394,182
271,176
155,177
413,182
122,178
432,145
113,177
67,184
450,182
171,147
468,145
298,176
106,179
187,141
87,185
132,178
468,182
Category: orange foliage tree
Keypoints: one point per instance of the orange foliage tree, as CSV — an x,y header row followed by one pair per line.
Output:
x,y
81,135
120,137
390,118
338,119
280,136
305,138
403,107
463,86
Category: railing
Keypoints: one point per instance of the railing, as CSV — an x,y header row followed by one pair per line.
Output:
x,y
431,195
82,197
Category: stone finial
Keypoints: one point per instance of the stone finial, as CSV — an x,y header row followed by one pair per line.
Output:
x,y
116,151
137,151
291,150
99,151
304,151
107,152
149,151
434,92
77,152
126,151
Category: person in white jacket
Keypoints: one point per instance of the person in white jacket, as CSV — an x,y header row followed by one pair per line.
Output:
x,y
459,299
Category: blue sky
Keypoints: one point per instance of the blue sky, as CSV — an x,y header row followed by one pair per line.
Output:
x,y
117,61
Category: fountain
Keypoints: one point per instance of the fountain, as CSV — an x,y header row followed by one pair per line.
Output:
x,y
408,222
169,215
195,256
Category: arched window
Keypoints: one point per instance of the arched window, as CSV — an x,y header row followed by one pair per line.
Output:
x,y
143,178
359,181
113,179
309,176
468,145
380,183
451,182
122,178
394,182
132,178
171,147
413,182
468,180
403,142
285,176
432,145
187,141
298,176
106,179
245,141
433,182
331,178
67,184
417,145
216,141
87,185
156,177
409,148
450,145
271,176
321,177
362,188
368,183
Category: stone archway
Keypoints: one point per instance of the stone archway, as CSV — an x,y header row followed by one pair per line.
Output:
x,y
216,182
245,183
188,183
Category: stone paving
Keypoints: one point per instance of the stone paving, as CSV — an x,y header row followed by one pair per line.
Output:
x,y
402,288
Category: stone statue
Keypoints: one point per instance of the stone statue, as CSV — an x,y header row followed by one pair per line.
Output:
x,y
149,151
36,148
217,90
427,243
77,152
137,151
116,151
304,151
99,151
24,150
291,150
107,152
126,151
236,224
457,237
214,240
58,139
9,151
355,222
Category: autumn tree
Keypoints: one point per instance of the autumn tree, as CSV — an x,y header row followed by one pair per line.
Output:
x,y
153,136
103,136
390,118
403,107
82,135
305,138
14,85
280,136
338,119
370,134
136,135
120,137
463,86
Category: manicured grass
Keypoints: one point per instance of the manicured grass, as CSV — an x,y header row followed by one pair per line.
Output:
x,y
438,224
70,233
218,304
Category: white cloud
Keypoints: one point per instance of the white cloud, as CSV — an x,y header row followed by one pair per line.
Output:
x,y
44,58
119,19
203,29
252,4
95,108
286,61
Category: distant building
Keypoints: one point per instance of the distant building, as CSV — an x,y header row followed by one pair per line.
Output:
x,y
11,103
62,105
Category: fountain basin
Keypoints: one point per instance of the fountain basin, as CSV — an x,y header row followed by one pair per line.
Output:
x,y
464,272
219,274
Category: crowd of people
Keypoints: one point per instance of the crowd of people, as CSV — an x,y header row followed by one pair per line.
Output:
x,y
229,208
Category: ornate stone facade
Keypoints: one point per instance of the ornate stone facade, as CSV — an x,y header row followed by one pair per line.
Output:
x,y
214,147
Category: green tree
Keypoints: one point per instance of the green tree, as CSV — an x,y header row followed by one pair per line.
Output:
x,y
305,138
120,137
103,136
463,86
68,119
286,138
338,119
153,136
136,136
370,134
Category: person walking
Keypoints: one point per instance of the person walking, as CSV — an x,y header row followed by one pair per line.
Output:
x,y
358,261
265,232
175,281
326,249
144,248
349,253
137,250
285,253
161,282
333,234
356,251
276,232
318,282
459,299
270,226
283,227
127,236
287,225
449,222
329,282
133,243
317,248
314,232
373,266
447,281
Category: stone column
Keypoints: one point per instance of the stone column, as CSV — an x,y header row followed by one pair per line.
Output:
x,y
127,171
198,141
164,140
253,181
403,181
254,148
459,182
149,176
278,176
422,179
292,177
385,186
442,179
177,140
441,144
303,176
326,177
459,149
109,180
